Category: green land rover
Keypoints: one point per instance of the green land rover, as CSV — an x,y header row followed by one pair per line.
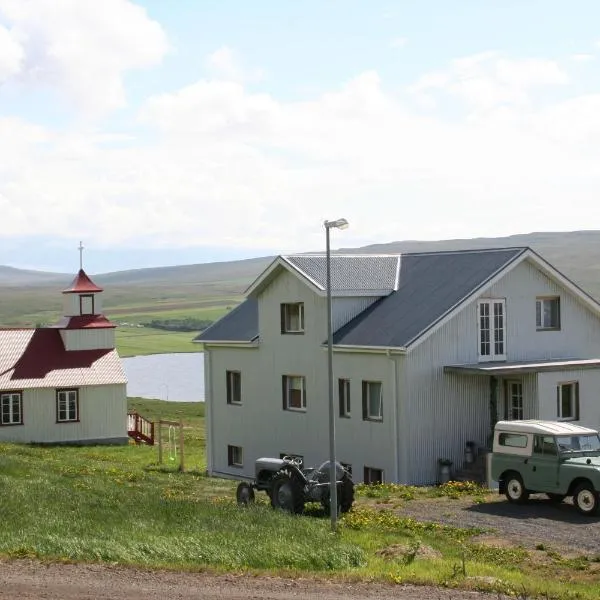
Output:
x,y
552,457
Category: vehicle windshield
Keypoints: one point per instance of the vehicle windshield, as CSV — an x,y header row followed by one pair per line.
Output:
x,y
578,443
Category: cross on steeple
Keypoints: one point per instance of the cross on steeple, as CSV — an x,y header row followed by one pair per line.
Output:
x,y
80,248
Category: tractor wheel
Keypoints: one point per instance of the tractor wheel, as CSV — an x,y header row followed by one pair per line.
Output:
x,y
345,497
287,493
244,494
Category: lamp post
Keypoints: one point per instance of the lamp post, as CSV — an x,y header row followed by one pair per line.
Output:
x,y
333,503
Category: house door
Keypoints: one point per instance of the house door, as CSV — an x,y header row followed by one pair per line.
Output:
x,y
513,400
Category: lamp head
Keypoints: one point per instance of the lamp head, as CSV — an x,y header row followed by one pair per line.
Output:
x,y
337,224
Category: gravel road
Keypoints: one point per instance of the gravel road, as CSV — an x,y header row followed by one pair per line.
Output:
x,y
30,580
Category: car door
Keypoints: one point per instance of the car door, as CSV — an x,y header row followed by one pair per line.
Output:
x,y
541,469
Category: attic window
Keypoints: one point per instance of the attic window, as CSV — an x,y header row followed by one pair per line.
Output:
x,y
292,318
547,313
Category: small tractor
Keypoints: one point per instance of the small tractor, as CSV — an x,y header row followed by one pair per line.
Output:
x,y
289,486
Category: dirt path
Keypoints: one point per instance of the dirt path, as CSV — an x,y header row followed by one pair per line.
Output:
x,y
31,580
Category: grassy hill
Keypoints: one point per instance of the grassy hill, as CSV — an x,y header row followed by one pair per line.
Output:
x,y
207,291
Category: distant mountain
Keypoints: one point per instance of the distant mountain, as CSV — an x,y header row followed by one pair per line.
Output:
x,y
576,254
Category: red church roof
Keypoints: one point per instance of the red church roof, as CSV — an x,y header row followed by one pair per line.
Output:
x,y
36,358
82,284
85,322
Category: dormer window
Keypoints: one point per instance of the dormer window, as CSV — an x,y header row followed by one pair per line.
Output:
x,y
492,329
292,318
86,304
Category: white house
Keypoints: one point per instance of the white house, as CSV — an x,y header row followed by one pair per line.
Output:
x,y
64,384
430,349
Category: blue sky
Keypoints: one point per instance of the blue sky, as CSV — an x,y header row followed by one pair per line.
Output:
x,y
194,131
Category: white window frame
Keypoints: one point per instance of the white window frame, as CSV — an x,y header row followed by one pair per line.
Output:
x,y
86,304
366,400
66,398
235,456
344,397
287,317
233,397
575,407
11,399
540,313
496,349
288,380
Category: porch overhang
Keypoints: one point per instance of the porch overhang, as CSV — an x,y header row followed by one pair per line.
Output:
x,y
526,366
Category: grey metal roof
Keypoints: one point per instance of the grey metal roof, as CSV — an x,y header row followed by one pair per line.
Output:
x,y
357,274
239,325
431,284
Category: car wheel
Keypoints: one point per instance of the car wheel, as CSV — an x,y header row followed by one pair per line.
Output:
x,y
244,494
585,499
555,498
515,490
287,494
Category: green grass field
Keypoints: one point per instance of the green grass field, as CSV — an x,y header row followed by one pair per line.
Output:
x,y
135,341
118,505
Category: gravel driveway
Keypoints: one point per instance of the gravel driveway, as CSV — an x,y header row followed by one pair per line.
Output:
x,y
537,522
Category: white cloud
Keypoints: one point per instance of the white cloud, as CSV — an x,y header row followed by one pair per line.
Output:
x,y
582,57
399,42
488,80
225,64
11,54
229,167
83,48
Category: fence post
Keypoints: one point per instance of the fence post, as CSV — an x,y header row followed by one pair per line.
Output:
x,y
159,442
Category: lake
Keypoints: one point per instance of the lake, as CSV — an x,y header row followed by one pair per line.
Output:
x,y
175,377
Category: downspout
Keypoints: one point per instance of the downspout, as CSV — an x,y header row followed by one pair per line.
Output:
x,y
395,414
208,397
493,408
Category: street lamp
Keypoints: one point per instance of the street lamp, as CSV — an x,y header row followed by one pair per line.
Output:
x,y
333,504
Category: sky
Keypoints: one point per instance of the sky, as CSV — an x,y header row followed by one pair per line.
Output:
x,y
179,132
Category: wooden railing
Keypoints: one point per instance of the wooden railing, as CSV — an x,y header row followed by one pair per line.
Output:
x,y
139,428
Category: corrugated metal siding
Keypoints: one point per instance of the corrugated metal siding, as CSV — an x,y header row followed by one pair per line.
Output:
x,y
102,412
343,310
88,339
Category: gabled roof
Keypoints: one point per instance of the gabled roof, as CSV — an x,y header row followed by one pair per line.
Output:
x,y
36,358
239,325
351,274
430,289
431,284
82,284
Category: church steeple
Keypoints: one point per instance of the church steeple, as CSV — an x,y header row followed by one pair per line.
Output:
x,y
84,326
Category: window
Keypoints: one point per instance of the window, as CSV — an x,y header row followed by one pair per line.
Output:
x,y
344,396
86,304
514,400
567,401
492,330
235,456
372,400
547,313
294,392
11,408
512,440
544,444
372,475
234,387
292,318
67,405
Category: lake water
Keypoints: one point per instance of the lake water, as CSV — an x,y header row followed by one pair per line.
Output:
x,y
176,377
